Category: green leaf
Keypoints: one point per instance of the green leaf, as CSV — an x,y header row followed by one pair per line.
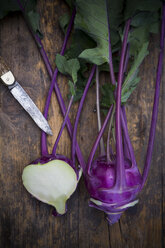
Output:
x,y
7,6
79,42
72,88
80,86
105,66
91,18
138,37
64,21
71,3
78,94
155,27
33,18
107,92
144,23
131,80
134,6
68,67
144,18
126,94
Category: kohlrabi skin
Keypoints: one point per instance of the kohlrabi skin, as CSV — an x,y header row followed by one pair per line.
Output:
x,y
101,186
51,180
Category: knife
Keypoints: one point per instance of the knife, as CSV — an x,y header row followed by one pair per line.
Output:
x,y
22,97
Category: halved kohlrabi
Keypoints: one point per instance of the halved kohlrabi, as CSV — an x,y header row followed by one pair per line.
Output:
x,y
52,183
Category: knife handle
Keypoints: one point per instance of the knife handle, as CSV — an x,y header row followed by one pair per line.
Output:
x,y
5,74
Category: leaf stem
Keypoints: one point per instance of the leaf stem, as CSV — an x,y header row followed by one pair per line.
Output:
x,y
102,148
156,102
62,126
109,134
94,148
126,150
43,55
57,90
126,59
47,104
127,144
120,172
79,112
110,49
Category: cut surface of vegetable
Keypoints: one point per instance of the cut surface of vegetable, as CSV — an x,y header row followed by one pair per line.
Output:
x,y
113,180
52,183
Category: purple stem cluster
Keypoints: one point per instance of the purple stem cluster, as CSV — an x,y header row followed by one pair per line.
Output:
x,y
126,150
62,127
129,153
120,116
102,148
54,85
120,175
44,150
79,112
119,146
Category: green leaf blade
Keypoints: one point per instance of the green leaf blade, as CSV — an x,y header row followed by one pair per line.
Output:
x,y
132,80
68,67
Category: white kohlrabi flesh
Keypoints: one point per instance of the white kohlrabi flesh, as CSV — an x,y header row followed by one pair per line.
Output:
x,y
52,183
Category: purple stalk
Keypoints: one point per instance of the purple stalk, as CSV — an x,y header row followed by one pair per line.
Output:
x,y
120,175
59,96
44,55
92,153
111,68
110,50
57,90
156,102
126,149
126,59
79,112
38,42
126,152
102,148
108,136
69,126
62,127
43,135
126,137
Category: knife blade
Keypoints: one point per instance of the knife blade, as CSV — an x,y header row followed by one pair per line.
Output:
x,y
22,97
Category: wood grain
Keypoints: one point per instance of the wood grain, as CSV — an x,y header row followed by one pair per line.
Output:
x,y
3,67
26,222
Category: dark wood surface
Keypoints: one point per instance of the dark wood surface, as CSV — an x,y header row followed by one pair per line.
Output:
x,y
3,67
28,223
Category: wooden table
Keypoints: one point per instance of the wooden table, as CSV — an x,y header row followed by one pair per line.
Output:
x,y
28,223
